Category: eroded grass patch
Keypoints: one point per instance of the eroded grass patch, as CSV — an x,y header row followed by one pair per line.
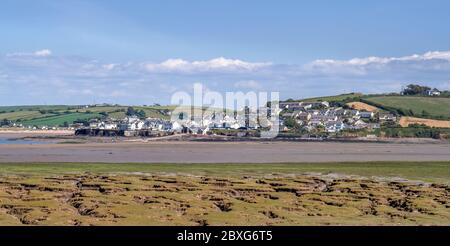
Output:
x,y
193,199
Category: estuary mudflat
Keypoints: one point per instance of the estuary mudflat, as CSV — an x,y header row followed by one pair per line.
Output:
x,y
225,152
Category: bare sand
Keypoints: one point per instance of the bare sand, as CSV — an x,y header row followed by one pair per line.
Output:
x,y
225,152
406,121
362,106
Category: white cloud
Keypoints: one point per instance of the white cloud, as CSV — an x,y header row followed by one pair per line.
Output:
x,y
38,53
110,66
216,64
74,79
76,92
248,84
432,61
43,53
168,88
117,93
432,55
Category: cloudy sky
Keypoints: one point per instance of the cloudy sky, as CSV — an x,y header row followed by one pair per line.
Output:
x,y
141,52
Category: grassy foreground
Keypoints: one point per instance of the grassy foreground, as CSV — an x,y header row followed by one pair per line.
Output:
x,y
225,194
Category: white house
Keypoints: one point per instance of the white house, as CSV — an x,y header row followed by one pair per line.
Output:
x,y
334,126
386,117
366,115
433,92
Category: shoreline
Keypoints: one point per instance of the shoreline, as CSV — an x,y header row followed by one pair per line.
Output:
x,y
69,135
223,152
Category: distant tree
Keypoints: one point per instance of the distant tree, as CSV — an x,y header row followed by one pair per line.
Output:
x,y
413,89
65,124
401,111
130,111
182,116
85,122
5,122
320,106
141,114
291,123
337,104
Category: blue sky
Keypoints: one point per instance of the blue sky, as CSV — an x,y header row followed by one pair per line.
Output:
x,y
140,52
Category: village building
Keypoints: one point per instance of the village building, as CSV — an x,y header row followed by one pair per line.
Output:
x,y
433,92
316,104
334,126
366,115
289,105
304,116
387,117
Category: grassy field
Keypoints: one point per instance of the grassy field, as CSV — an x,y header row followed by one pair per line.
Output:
x,y
54,115
434,107
32,108
58,114
58,120
337,98
418,106
224,194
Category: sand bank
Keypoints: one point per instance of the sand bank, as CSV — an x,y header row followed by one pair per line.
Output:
x,y
222,152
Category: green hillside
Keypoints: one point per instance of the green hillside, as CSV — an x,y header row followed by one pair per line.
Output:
x,y
57,115
424,107
338,98
58,120
417,106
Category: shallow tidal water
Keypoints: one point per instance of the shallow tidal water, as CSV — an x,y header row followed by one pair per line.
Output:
x,y
20,141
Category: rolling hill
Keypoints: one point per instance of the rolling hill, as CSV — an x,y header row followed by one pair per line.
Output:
x,y
337,98
417,106
423,107
57,115
410,107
